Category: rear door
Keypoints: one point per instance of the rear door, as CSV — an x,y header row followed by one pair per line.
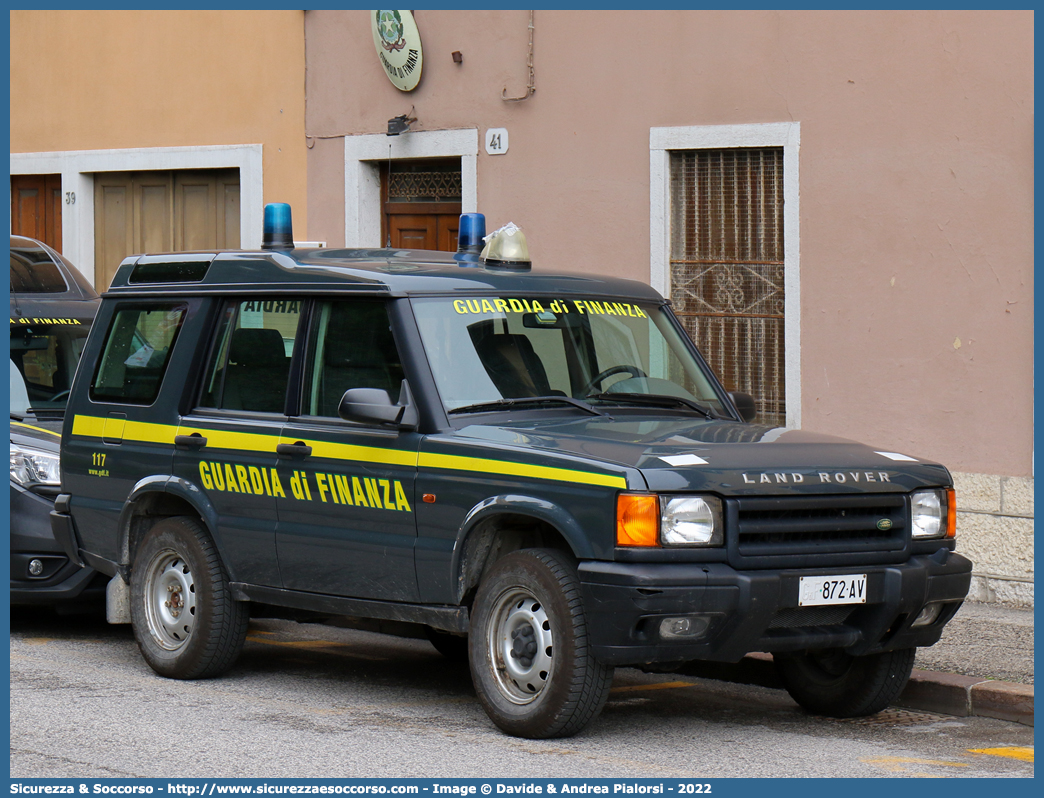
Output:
x,y
123,429
227,443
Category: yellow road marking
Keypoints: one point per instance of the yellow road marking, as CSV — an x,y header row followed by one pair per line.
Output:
x,y
1022,753
888,761
637,687
313,645
37,641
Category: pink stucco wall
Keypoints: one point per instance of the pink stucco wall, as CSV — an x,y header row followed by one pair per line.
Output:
x,y
916,180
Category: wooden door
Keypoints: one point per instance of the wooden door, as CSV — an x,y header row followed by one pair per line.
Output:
x,y
162,211
412,231
36,208
421,202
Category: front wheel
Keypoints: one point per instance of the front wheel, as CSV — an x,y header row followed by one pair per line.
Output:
x,y
838,685
185,620
531,661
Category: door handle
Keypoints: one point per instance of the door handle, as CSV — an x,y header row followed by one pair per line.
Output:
x,y
195,440
299,449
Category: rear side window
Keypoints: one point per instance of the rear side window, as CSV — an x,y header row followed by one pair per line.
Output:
x,y
33,272
136,352
250,364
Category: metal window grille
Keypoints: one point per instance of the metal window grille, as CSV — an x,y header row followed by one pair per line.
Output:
x,y
727,266
425,185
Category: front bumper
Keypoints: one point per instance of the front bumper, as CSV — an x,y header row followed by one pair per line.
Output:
x,y
32,538
757,610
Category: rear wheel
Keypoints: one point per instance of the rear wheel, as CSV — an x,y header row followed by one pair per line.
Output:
x,y
531,662
185,620
838,685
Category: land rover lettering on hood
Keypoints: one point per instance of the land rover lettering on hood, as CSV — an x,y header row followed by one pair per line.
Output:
x,y
537,470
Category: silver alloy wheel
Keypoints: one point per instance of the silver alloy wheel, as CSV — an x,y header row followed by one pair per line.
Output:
x,y
170,599
520,645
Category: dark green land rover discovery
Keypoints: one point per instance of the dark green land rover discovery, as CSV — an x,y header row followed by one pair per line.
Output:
x,y
539,467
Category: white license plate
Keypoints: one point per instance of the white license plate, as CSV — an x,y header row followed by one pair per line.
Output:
x,y
840,589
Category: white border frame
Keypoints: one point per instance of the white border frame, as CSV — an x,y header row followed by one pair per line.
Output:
x,y
78,167
363,155
662,140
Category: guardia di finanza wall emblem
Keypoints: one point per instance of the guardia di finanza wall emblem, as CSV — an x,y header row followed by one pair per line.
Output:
x,y
389,23
398,45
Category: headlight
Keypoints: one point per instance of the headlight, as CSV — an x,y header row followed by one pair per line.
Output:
x,y
34,467
691,521
930,513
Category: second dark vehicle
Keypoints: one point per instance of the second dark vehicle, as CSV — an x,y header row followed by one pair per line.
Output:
x,y
52,307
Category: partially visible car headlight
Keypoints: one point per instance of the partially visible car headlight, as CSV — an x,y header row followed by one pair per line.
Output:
x,y
930,513
691,521
34,467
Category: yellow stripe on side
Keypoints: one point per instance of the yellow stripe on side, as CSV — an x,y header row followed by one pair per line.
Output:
x,y
37,429
458,463
234,441
367,454
88,426
149,433
93,427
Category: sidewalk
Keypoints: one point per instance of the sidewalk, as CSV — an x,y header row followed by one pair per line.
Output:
x,y
983,665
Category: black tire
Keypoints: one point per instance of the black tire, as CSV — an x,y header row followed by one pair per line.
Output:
x,y
185,620
838,685
452,647
531,663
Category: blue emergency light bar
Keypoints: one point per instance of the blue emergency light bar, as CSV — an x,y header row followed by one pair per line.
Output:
x,y
470,233
278,232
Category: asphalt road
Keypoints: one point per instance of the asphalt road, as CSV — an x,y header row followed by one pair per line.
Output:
x,y
316,701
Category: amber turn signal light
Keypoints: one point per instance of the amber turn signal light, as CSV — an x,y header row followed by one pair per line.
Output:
x,y
951,513
637,519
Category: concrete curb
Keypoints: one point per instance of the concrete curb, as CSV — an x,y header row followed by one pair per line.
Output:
x,y
929,691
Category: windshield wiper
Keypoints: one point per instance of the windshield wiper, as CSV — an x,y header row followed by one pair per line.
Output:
x,y
527,400
654,400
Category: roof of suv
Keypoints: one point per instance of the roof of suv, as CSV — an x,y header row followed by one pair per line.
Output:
x,y
388,272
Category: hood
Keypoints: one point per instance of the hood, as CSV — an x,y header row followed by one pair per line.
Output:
x,y
45,435
677,454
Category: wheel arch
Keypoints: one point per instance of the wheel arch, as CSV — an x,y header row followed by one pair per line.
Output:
x,y
502,524
159,497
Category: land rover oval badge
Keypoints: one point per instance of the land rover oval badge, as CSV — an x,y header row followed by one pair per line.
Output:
x,y
398,44
884,524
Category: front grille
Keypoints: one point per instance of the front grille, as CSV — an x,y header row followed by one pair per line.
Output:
x,y
816,525
809,616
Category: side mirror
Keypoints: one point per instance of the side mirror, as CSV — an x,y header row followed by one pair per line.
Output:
x,y
744,404
374,406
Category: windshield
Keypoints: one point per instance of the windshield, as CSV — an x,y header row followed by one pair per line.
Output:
x,y
489,349
45,353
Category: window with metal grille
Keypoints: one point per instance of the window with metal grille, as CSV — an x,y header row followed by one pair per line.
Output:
x,y
727,266
425,181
